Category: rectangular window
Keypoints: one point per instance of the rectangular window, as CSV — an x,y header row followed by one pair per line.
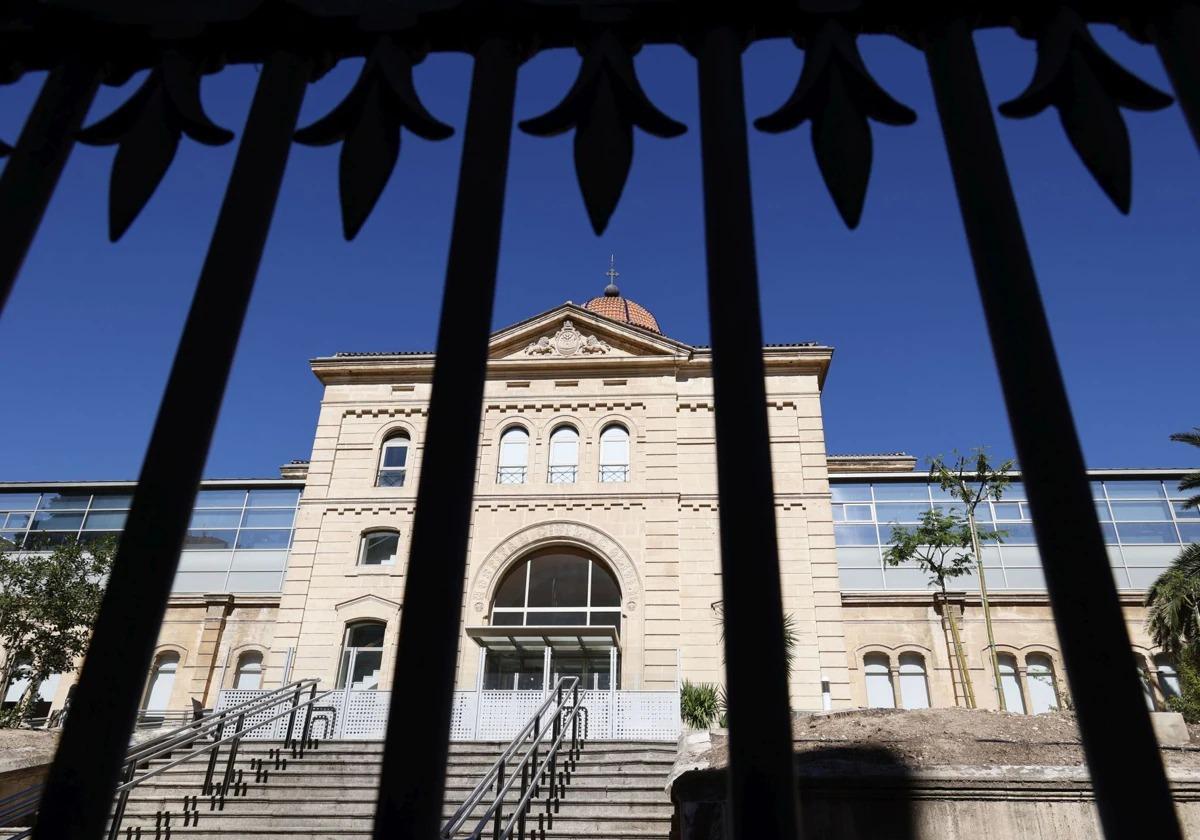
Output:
x,y
1134,489
901,492
220,498
270,518
850,492
855,535
273,498
263,539
209,519
202,538
1141,511
105,520
910,513
55,521
1147,532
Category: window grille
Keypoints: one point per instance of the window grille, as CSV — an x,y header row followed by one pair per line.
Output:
x,y
510,475
293,42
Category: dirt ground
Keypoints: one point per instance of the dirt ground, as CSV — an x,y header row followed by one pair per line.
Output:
x,y
933,737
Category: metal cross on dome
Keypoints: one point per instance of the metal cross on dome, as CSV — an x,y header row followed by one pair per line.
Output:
x,y
612,274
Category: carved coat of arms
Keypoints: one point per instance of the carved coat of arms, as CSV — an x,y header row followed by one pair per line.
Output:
x,y
568,341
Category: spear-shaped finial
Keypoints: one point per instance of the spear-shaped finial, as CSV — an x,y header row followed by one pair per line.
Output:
x,y
612,274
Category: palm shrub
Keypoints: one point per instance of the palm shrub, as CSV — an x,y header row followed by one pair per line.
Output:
x,y
698,704
1173,603
1188,701
1191,481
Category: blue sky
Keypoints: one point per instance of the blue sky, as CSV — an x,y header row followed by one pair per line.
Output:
x,y
89,332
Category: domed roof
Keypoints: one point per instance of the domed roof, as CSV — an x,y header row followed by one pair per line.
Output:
x,y
612,305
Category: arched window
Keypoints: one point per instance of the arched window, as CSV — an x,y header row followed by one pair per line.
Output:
x,y
879,682
378,548
614,453
362,656
914,690
514,456
559,586
1043,693
249,671
1168,677
1013,701
162,681
564,455
393,461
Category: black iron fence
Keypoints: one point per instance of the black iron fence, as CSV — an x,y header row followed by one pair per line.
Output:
x,y
84,43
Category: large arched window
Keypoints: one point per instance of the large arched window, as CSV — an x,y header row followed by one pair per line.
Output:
x,y
1168,677
880,694
393,461
362,656
614,453
514,456
249,671
378,548
1039,674
558,586
1009,684
162,681
564,455
914,690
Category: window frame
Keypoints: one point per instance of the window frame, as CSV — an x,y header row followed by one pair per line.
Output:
x,y
363,541
240,668
614,473
525,565
348,657
521,477
562,473
392,441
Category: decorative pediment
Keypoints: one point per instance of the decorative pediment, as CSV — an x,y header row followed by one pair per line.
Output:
x,y
570,332
568,341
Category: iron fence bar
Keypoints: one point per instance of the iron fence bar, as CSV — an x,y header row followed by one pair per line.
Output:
x,y
37,161
412,780
762,791
80,785
1176,35
1127,772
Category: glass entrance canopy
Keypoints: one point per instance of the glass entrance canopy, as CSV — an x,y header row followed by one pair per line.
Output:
x,y
532,658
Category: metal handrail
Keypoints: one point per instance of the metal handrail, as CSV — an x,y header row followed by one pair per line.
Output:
x,y
24,803
215,725
191,729
495,774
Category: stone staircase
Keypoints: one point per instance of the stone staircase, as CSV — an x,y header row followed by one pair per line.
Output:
x,y
616,793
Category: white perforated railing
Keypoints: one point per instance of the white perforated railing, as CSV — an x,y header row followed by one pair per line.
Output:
x,y
489,715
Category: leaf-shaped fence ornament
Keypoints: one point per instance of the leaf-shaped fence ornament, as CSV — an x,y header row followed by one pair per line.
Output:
x,y
603,105
1088,88
367,123
836,92
146,130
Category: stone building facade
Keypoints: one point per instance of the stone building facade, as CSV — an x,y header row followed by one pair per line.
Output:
x,y
594,544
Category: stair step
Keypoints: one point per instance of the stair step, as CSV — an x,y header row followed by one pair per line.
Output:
x,y
616,792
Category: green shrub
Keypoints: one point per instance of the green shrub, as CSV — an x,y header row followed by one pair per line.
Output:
x,y
1188,702
698,704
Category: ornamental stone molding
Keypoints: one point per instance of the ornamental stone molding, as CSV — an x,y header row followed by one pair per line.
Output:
x,y
542,534
568,341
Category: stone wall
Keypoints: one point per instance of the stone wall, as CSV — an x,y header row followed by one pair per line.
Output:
x,y
861,794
